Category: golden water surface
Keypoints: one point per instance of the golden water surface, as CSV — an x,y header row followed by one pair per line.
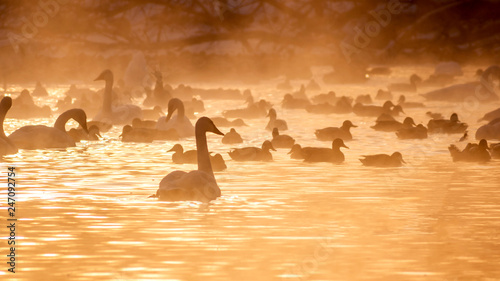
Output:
x,y
84,212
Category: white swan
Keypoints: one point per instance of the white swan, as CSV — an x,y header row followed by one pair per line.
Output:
x,y
481,91
179,122
6,145
197,185
116,115
40,137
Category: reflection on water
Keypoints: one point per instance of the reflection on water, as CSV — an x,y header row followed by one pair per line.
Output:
x,y
85,212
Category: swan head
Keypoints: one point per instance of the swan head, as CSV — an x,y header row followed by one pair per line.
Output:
x,y
106,75
348,124
173,104
267,145
177,148
207,125
338,143
79,116
6,103
397,156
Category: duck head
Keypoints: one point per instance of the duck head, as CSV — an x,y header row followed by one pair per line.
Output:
x,y
409,122
454,118
276,132
398,156
348,124
177,148
295,148
272,113
267,145
126,130
338,143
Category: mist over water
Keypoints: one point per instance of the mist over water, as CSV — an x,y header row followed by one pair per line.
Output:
x,y
85,212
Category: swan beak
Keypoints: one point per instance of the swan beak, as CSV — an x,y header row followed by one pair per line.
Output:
x,y
354,126
216,131
100,77
343,145
403,161
99,135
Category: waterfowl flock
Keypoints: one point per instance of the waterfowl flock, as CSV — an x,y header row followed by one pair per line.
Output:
x,y
163,117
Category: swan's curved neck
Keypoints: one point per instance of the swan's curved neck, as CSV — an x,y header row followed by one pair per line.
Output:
x,y
108,95
202,152
159,85
3,112
181,112
62,119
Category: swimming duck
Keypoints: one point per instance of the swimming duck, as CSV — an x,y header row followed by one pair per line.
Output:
x,y
313,86
103,127
223,122
404,87
281,141
364,99
482,91
24,107
290,102
116,115
6,145
232,137
418,132
374,111
80,134
323,154
407,104
434,115
148,124
179,122
197,185
253,153
152,114
471,153
183,157
343,106
331,133
489,131
40,137
191,157
392,126
296,152
274,122
252,111
491,115
130,134
160,95
383,95
451,126
329,97
39,90
383,160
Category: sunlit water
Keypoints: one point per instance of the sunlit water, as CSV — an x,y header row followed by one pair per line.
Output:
x,y
84,212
